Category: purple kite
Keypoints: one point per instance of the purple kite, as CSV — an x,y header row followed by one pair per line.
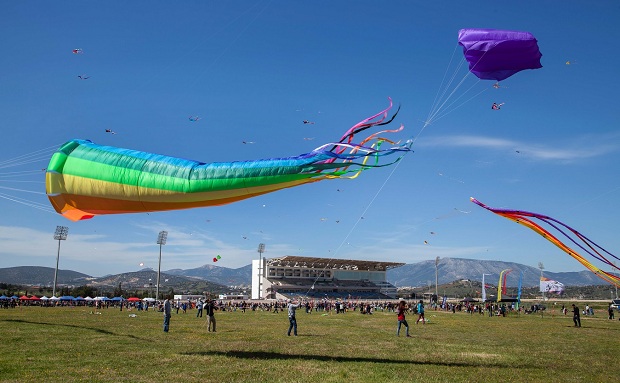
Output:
x,y
495,54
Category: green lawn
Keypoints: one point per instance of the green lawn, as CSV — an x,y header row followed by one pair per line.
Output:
x,y
76,344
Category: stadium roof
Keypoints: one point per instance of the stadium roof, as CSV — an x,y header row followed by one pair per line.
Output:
x,y
330,263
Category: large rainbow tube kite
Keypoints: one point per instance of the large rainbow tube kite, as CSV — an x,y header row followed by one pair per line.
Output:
x,y
585,244
84,179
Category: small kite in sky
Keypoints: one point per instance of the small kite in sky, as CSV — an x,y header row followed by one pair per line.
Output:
x,y
308,138
83,77
248,142
497,106
194,118
77,51
110,131
525,218
308,122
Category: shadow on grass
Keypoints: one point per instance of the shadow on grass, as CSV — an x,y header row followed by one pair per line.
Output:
x,y
101,331
264,355
594,328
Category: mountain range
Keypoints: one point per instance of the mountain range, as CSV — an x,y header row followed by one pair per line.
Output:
x,y
452,269
212,277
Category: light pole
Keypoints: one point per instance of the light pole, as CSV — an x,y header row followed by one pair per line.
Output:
x,y
161,240
261,250
542,267
484,291
615,273
60,235
436,278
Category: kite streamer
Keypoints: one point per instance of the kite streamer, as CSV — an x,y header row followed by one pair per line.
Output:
x,y
501,285
580,240
84,179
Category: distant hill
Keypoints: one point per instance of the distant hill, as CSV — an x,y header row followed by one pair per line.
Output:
x,y
452,269
211,277
147,279
41,276
222,275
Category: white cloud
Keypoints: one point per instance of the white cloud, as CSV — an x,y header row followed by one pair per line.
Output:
x,y
563,151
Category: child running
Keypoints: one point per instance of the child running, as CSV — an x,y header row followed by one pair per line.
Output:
x,y
400,311
420,312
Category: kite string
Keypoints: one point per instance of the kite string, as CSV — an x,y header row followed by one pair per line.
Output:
x,y
27,158
32,204
437,97
322,275
243,30
8,177
202,42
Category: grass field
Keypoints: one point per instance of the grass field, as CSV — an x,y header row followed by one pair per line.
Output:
x,y
75,344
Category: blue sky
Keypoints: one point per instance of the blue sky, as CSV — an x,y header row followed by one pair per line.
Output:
x,y
254,70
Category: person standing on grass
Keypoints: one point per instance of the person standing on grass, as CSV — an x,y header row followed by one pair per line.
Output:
x,y
291,317
610,310
199,306
167,314
400,312
576,316
420,312
210,311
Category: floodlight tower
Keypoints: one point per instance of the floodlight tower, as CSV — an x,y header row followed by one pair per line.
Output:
x,y
436,278
60,235
161,240
615,272
541,267
261,250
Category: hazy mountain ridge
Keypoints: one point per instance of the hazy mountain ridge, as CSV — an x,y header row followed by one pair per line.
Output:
x,y
221,275
143,279
452,269
39,275
416,274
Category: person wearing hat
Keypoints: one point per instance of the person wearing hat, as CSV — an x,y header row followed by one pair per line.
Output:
x,y
291,317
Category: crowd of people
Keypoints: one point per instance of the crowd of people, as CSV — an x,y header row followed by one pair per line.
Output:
x,y
401,308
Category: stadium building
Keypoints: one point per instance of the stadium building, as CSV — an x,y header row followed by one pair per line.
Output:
x,y
292,276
